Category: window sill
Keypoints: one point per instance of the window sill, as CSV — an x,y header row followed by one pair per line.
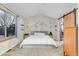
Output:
x,y
7,38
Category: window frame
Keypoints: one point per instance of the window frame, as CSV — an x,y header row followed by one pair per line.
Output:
x,y
5,27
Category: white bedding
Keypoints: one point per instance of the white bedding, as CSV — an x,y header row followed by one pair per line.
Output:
x,y
38,40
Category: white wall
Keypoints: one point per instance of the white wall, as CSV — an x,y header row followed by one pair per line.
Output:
x,y
41,23
20,29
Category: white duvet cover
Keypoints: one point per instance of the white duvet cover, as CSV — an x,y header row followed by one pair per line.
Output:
x,y
38,40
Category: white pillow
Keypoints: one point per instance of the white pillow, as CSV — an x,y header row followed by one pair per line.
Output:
x,y
39,33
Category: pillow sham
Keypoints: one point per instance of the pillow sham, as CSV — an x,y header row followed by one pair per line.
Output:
x,y
39,33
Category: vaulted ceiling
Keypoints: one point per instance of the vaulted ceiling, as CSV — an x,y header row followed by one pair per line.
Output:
x,y
54,10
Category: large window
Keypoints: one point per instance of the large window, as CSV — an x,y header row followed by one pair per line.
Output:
x,y
10,24
2,24
7,24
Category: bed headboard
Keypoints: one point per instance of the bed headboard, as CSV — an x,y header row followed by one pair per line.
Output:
x,y
32,32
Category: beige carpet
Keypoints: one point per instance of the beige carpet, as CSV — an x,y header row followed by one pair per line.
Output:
x,y
16,51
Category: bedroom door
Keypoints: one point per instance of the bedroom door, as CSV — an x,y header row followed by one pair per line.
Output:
x,y
70,34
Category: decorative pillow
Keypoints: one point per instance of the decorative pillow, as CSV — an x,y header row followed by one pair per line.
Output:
x,y
39,33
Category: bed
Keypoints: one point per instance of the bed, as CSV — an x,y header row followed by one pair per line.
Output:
x,y
38,39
